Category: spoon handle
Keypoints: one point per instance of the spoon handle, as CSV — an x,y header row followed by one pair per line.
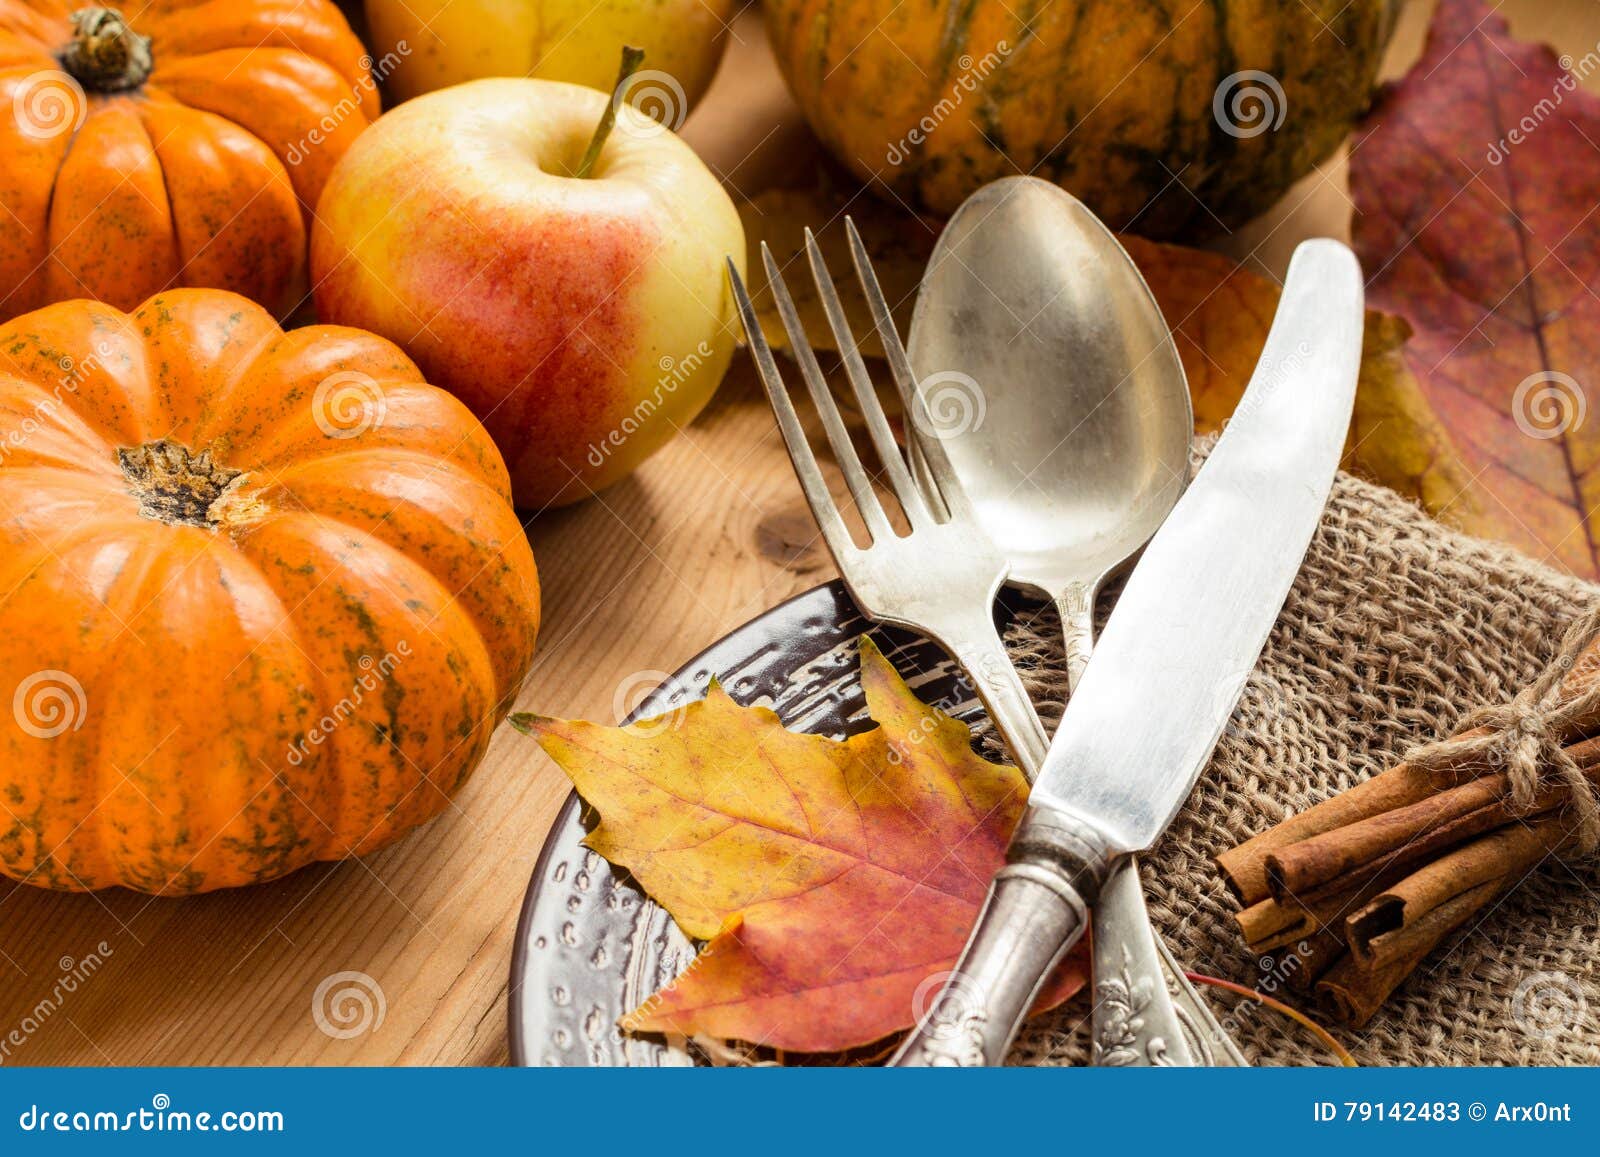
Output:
x,y
1075,605
1145,1010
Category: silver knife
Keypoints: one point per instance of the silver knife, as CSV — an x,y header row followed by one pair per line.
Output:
x,y
1187,629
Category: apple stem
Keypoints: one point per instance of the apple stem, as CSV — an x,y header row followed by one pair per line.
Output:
x,y
631,59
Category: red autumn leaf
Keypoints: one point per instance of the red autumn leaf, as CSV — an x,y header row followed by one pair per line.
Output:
x,y
1476,180
835,882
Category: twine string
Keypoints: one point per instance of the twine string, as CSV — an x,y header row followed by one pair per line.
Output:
x,y
1525,737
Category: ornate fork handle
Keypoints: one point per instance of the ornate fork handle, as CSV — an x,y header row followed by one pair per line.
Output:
x,y
1075,605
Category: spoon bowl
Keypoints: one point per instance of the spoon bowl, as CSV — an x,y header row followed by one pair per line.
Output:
x,y
1054,384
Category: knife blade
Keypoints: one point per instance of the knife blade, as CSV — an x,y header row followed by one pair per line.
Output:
x,y
1171,664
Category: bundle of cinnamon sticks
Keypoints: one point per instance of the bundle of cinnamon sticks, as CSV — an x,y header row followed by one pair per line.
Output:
x,y
1351,895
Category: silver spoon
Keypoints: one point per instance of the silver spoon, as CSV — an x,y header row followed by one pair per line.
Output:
x,y
1052,381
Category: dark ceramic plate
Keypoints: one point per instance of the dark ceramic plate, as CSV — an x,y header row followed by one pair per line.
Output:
x,y
590,945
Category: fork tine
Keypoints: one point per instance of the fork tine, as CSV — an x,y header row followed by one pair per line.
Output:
x,y
855,475
900,480
823,509
931,448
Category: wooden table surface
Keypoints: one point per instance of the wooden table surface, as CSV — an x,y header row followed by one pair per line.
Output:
x,y
708,534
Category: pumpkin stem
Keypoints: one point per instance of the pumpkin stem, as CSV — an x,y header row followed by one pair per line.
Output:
x,y
174,484
631,59
106,54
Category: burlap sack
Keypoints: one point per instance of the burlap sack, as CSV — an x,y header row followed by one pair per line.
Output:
x,y
1395,628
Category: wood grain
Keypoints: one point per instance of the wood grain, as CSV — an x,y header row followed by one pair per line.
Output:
x,y
638,579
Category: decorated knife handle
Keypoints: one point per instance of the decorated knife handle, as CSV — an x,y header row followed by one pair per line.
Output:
x,y
1036,910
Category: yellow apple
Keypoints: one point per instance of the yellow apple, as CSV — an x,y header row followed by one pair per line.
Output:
x,y
425,45
584,319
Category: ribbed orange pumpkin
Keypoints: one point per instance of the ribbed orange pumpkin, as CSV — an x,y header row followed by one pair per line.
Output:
x,y
183,142
262,595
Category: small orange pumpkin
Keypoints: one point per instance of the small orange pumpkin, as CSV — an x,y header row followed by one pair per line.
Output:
x,y
167,143
263,596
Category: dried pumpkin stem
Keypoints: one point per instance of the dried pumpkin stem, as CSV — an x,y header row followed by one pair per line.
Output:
x,y
106,54
174,484
631,59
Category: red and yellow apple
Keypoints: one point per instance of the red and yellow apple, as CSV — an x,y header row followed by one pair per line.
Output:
x,y
431,44
585,320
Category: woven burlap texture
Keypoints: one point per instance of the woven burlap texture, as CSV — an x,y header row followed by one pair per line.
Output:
x,y
1396,627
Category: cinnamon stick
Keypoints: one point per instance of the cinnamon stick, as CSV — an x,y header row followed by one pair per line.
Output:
x,y
1244,867
1351,992
1274,923
1317,954
1349,896
1381,932
1344,859
1270,925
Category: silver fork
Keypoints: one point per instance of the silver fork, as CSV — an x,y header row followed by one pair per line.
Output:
x,y
941,579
